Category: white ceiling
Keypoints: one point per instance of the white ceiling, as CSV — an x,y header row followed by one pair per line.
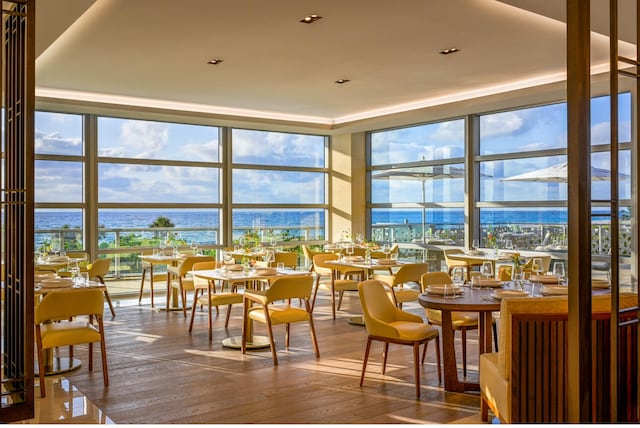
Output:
x,y
155,53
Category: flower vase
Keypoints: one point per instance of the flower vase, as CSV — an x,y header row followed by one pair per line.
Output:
x,y
518,278
367,255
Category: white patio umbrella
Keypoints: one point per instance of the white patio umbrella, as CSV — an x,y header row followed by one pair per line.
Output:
x,y
558,174
422,174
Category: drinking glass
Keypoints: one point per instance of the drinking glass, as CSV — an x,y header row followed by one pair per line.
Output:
x,y
386,250
194,247
475,244
508,244
458,277
350,249
74,269
280,267
558,271
487,269
449,291
273,241
269,256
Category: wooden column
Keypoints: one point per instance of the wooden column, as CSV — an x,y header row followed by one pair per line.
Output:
x,y
579,204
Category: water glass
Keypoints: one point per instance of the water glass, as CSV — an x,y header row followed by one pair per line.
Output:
x,y
450,291
536,265
558,271
487,269
508,244
458,277
475,244
280,267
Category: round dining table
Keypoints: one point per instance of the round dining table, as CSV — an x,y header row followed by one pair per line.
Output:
x,y
471,300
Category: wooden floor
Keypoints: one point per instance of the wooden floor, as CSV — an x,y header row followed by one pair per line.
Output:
x,y
161,374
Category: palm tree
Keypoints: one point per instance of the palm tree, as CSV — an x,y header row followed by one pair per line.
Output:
x,y
161,221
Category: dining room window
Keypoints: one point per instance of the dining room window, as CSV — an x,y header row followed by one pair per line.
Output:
x,y
417,185
279,185
59,182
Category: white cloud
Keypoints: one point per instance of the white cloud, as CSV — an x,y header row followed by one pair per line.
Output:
x,y
147,138
54,142
501,124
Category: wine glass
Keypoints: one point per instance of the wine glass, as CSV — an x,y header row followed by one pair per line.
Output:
x,y
487,269
558,271
269,257
536,265
350,250
458,277
475,244
74,269
273,241
386,250
194,246
508,244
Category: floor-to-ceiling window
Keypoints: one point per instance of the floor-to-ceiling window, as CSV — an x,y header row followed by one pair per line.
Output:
x,y
157,184
59,182
278,187
417,183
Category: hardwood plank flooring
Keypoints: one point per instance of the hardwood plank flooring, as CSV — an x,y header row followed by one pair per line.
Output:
x,y
159,373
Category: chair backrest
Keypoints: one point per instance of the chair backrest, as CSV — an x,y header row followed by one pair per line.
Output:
x,y
377,308
187,264
533,339
99,268
62,305
203,266
410,272
505,273
289,258
320,262
434,278
290,287
449,251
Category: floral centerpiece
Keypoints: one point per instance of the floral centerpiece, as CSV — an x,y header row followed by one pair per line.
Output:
x,y
491,240
517,261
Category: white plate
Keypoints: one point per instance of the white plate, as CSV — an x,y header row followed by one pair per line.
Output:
x,y
487,282
545,279
266,271
234,267
385,261
504,294
555,290
354,259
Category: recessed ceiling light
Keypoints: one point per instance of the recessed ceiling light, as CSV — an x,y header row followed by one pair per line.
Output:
x,y
449,51
215,61
310,19
341,81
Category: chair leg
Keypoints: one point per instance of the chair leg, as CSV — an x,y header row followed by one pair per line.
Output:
x,y
416,366
484,409
183,298
385,352
103,353
90,352
245,320
333,299
41,362
366,358
315,293
340,299
314,339
108,297
193,312
287,331
495,336
142,286
438,360
226,320
271,341
464,351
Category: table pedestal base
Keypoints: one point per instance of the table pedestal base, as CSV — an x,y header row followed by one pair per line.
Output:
x,y
258,342
60,365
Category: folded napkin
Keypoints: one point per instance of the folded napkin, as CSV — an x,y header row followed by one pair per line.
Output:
x,y
504,294
385,261
353,259
439,289
266,271
56,283
555,290
545,279
487,282
234,267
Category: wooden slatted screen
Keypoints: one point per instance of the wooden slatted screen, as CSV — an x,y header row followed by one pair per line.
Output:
x,y
18,78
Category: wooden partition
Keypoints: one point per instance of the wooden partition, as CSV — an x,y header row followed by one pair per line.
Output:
x,y
539,370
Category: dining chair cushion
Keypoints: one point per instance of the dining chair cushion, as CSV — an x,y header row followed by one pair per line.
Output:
x,y
411,330
406,294
279,315
219,299
458,319
71,333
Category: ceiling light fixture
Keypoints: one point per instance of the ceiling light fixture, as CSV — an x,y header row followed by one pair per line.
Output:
x,y
449,51
215,61
310,19
341,81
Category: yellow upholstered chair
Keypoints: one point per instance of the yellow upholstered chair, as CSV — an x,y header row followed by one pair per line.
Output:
x,y
146,274
388,324
308,255
98,269
533,339
205,294
505,272
177,278
53,328
462,321
283,288
453,263
333,279
399,282
289,258
526,268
